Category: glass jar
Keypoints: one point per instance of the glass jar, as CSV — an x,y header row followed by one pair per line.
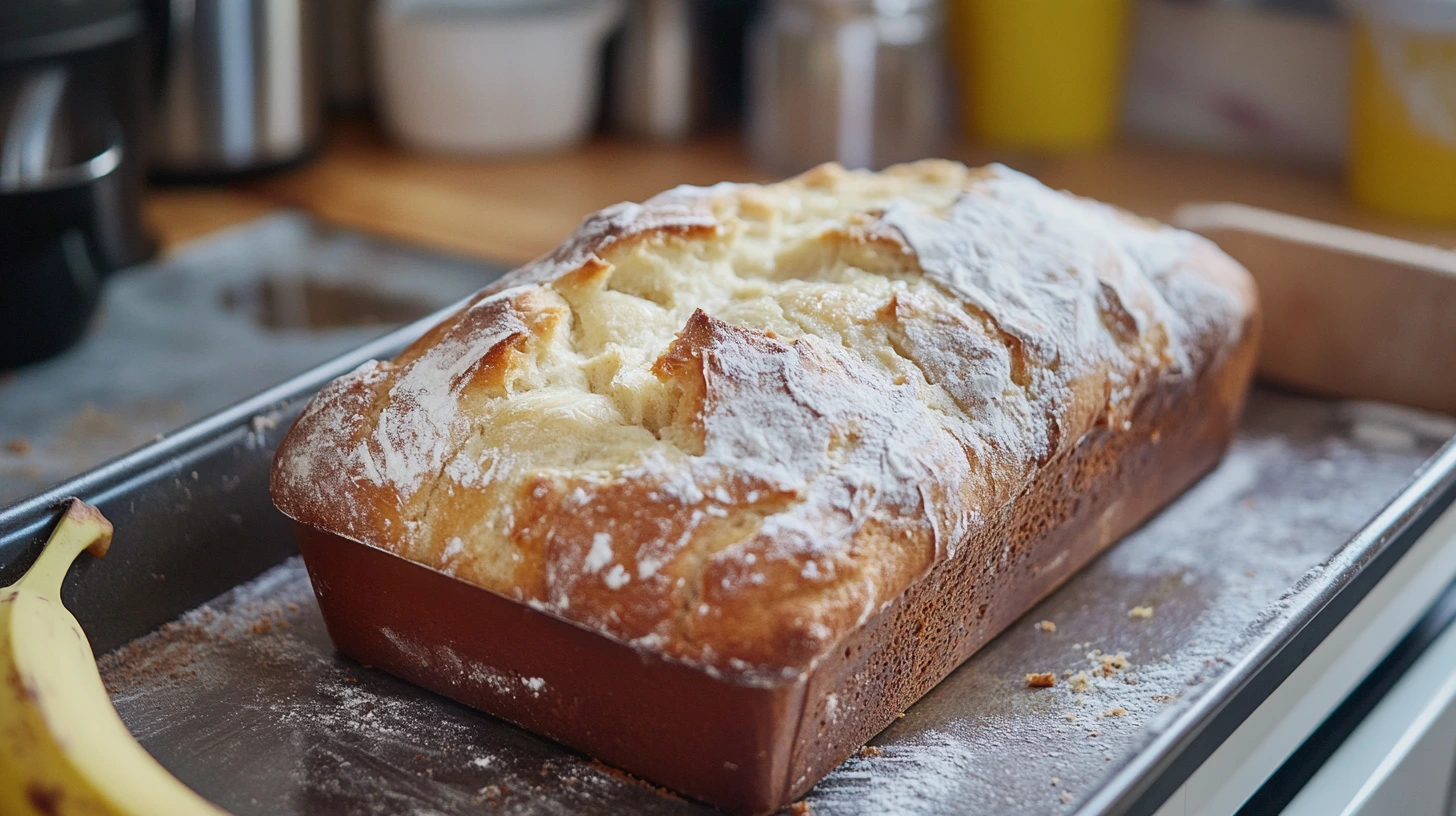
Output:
x,y
861,82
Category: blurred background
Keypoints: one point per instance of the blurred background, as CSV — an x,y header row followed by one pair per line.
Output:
x,y
244,188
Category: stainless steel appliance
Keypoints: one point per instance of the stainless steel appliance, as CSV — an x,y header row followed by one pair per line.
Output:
x,y
861,82
677,66
241,87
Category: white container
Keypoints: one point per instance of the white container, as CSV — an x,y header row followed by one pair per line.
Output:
x,y
490,76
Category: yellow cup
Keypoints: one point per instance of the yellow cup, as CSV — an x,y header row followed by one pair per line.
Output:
x,y
1044,74
1403,119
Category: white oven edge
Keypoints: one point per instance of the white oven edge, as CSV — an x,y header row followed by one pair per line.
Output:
x,y
1312,691
1401,756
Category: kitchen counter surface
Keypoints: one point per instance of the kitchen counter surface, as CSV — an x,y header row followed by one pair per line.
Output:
x,y
513,209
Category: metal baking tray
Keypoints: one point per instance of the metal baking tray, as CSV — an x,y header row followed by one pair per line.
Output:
x,y
217,658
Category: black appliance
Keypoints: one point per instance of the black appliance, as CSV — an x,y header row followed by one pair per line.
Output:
x,y
74,102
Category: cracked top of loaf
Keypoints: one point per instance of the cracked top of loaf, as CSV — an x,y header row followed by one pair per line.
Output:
x,y
731,423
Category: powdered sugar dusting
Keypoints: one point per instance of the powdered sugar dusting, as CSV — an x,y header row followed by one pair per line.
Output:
x,y
264,718
422,421
617,577
600,554
995,323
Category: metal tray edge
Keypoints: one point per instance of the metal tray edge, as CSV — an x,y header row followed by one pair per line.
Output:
x,y
1342,581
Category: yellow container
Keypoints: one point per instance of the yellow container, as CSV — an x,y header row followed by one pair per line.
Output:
x,y
1403,117
1044,74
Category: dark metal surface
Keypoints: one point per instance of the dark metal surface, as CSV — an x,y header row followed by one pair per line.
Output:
x,y
182,538
267,719
216,321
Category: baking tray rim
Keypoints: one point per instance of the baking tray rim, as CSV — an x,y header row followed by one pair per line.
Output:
x,y
1140,786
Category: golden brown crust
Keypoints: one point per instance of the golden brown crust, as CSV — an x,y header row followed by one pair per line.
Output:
x,y
877,365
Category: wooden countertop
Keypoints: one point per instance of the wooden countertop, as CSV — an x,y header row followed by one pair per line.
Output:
x,y
514,209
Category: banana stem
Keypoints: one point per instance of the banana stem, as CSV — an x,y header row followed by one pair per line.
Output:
x,y
81,528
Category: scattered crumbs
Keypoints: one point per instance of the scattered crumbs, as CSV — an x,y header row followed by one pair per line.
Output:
x,y
1067,673
1107,757
1056,781
1041,680
263,627
1081,700
871,751
1117,711
293,607
1047,626
1094,734
1166,658
1131,678
801,808
1071,717
19,446
194,476
1065,798
900,716
481,762
1079,681
1111,664
1140,612
1099,715
1163,698
1192,643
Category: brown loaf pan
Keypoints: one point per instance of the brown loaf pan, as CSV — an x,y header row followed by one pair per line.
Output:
x,y
754,748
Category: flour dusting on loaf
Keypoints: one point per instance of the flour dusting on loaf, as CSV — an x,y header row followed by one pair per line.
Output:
x,y
730,424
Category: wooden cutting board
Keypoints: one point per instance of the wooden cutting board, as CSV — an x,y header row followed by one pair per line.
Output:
x,y
1346,313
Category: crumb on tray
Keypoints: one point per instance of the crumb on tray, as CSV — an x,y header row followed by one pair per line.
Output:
x,y
871,751
1047,626
1140,612
801,808
1111,664
19,446
1117,711
1079,681
1041,680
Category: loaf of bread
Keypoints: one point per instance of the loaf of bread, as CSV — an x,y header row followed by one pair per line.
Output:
x,y
732,425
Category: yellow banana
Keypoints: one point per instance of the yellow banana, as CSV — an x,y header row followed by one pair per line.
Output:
x,y
63,749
